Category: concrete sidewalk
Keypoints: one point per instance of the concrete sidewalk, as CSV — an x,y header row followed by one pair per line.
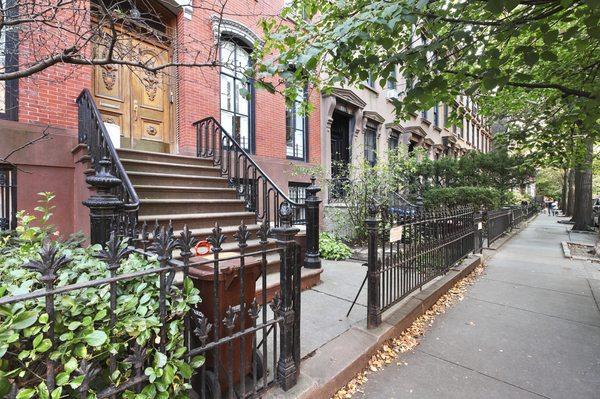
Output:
x,y
530,328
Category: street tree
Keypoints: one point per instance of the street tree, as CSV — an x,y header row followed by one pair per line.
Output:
x,y
539,59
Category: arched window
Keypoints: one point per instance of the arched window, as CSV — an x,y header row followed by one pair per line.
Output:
x,y
236,93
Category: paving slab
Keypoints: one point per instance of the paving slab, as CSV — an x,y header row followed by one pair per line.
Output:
x,y
444,380
548,355
579,308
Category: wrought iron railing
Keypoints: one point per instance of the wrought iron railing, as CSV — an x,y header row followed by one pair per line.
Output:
x,y
407,251
260,194
106,163
498,223
8,197
250,341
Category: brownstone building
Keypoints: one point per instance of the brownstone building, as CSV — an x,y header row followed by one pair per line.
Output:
x,y
152,112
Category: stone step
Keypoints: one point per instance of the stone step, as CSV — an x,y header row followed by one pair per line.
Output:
x,y
137,165
196,221
189,206
170,179
181,192
162,157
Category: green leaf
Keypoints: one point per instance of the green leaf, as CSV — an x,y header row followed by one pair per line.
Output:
x,y
24,320
169,374
495,6
530,57
26,393
160,359
96,338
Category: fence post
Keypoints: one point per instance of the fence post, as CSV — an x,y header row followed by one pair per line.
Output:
x,y
103,204
312,259
478,221
374,269
289,272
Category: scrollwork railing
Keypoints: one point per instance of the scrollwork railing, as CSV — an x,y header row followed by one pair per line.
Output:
x,y
260,194
106,163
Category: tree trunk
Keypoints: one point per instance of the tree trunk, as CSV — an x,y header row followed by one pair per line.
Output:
x,y
564,200
583,191
571,194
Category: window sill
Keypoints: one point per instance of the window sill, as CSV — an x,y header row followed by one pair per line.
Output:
x,y
297,159
372,89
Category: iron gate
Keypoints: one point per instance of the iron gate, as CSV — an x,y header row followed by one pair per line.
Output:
x,y
8,197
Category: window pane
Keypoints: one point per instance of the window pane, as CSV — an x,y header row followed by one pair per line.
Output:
x,y
227,56
242,106
243,60
227,92
299,144
242,129
227,121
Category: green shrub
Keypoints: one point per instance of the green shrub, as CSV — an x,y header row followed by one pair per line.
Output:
x,y
485,198
82,321
333,248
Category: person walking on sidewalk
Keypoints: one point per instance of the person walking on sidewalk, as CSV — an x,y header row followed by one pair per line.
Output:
x,y
549,206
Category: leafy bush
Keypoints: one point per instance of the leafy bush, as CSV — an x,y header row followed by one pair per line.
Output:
x,y
83,337
332,248
485,198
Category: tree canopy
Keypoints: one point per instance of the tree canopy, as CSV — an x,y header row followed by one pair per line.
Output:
x,y
532,65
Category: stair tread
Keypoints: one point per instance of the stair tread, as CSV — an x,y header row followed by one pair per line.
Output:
x,y
175,175
190,201
167,164
206,231
183,188
161,154
194,216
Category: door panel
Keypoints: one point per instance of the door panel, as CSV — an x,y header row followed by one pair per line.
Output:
x,y
137,100
151,105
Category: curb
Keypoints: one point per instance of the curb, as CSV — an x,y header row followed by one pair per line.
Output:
x,y
339,360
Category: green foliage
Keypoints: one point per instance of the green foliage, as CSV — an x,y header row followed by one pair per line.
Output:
x,y
496,169
484,198
549,182
371,184
531,66
332,248
82,320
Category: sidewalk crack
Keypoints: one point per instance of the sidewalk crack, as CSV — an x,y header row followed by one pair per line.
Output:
x,y
482,373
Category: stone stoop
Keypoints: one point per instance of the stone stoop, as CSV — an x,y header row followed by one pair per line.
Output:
x,y
186,190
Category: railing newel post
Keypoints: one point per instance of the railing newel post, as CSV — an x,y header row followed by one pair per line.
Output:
x,y
287,365
374,269
103,204
312,259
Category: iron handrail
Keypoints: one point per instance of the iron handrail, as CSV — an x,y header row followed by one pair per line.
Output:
x,y
243,156
101,147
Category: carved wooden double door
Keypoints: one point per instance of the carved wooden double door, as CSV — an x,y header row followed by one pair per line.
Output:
x,y
135,99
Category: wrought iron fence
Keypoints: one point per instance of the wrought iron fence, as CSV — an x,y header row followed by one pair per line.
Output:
x,y
405,251
518,216
8,197
498,223
249,340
